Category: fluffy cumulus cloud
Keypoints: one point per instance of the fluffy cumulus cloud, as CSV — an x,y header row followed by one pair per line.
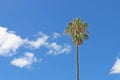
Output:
x,y
116,67
56,49
9,42
25,61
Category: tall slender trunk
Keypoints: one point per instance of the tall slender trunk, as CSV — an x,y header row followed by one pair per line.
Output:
x,y
77,64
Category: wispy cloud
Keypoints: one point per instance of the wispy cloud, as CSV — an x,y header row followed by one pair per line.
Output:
x,y
52,47
9,42
116,67
56,49
56,35
25,61
40,41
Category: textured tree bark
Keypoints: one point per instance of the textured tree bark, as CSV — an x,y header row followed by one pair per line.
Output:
x,y
77,64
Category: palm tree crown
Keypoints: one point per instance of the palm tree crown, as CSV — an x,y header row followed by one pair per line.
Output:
x,y
77,29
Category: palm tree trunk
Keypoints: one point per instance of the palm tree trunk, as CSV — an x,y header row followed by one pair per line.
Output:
x,y
77,64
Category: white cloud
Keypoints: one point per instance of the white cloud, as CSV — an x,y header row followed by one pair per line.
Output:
x,y
9,42
40,41
116,67
56,49
55,35
26,61
43,40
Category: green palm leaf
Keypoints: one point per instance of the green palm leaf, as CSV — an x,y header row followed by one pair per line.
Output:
x,y
77,29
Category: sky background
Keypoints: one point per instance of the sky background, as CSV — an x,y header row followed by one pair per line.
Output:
x,y
33,46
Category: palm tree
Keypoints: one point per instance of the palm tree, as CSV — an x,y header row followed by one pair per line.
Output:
x,y
77,29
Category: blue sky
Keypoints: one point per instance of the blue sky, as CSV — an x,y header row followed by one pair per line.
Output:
x,y
33,46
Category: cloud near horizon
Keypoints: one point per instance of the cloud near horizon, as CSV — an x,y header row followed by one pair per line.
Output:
x,y
116,67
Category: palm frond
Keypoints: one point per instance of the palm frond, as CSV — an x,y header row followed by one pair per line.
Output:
x,y
77,30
